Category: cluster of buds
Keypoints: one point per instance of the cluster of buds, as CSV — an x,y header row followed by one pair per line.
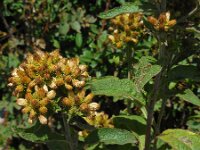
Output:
x,y
78,102
40,80
163,23
127,28
96,119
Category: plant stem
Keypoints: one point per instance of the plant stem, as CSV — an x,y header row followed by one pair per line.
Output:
x,y
67,132
129,54
156,89
157,128
150,110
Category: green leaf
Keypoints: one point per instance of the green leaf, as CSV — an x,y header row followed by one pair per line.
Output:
x,y
141,142
111,136
37,133
190,97
113,86
194,123
79,40
126,8
76,26
145,71
133,123
56,43
181,139
184,72
102,38
64,28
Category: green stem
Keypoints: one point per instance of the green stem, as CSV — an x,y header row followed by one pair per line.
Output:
x,y
129,54
67,132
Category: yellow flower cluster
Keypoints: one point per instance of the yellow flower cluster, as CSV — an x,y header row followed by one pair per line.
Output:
x,y
43,78
127,28
97,119
163,22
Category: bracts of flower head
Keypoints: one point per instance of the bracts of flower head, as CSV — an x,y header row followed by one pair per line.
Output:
x,y
38,81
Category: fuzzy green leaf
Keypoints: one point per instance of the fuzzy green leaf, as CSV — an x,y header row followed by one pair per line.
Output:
x,y
37,133
190,97
111,136
113,86
126,8
181,139
133,123
145,71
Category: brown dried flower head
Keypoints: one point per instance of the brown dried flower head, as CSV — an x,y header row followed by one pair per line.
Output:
x,y
98,120
126,28
37,83
163,23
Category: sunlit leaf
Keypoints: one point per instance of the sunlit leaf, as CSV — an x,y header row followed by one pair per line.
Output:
x,y
181,139
111,136
190,97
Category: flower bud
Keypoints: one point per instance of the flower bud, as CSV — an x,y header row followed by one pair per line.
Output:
x,y
111,38
152,20
84,107
32,84
68,87
34,102
51,94
19,88
119,44
43,110
172,22
26,109
81,94
94,106
36,88
68,78
25,79
45,88
32,113
68,102
53,85
14,73
30,120
78,83
42,119
21,101
83,68
85,74
89,98
76,72
10,84
73,62
66,70
44,101
59,81
28,96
